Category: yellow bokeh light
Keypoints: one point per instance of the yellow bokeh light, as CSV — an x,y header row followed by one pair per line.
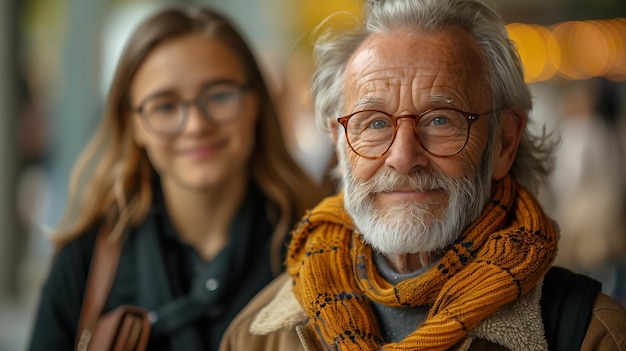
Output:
x,y
590,48
568,67
572,50
313,12
517,33
537,55
617,29
550,53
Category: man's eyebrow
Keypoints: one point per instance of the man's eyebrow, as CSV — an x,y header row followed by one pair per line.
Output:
x,y
366,103
441,98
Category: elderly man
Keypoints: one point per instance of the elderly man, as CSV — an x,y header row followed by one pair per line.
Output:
x,y
436,240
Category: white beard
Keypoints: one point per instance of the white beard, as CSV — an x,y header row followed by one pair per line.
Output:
x,y
413,227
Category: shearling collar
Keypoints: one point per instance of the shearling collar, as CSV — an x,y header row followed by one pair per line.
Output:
x,y
517,326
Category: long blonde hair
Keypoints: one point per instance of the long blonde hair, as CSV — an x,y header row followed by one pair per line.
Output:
x,y
112,179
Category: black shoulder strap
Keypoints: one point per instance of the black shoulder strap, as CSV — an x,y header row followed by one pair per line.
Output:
x,y
567,300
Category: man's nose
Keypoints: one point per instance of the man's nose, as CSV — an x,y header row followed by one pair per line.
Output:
x,y
406,153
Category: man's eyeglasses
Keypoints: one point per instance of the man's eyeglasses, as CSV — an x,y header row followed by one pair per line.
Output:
x,y
166,114
441,131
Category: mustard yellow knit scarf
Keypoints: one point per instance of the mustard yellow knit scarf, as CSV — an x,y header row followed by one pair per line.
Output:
x,y
501,256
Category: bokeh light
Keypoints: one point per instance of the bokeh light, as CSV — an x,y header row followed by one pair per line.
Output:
x,y
572,50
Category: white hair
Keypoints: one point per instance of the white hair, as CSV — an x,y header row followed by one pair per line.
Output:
x,y
505,78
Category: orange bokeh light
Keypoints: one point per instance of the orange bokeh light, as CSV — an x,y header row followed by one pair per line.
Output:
x,y
571,50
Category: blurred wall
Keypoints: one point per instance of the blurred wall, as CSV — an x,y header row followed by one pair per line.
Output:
x,y
9,234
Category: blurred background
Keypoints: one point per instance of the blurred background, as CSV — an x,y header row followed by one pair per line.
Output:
x,y
58,56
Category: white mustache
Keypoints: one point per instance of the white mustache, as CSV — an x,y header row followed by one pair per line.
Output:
x,y
422,181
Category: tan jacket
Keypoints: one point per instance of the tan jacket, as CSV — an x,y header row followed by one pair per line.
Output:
x,y
275,321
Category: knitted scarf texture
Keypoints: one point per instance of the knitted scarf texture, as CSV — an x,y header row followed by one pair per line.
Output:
x,y
502,255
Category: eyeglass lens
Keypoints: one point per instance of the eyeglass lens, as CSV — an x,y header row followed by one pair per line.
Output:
x,y
220,103
442,132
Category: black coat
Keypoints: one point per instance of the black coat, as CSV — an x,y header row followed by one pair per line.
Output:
x,y
155,268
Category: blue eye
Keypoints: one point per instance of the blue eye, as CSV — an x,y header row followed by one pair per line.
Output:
x,y
439,121
378,124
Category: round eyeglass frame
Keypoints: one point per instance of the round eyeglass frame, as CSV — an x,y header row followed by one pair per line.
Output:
x,y
185,105
470,117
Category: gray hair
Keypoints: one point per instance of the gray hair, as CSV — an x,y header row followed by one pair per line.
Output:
x,y
505,76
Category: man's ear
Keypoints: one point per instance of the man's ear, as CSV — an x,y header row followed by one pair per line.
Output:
x,y
512,126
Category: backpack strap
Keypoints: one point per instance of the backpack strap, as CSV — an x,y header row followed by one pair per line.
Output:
x,y
567,301
102,271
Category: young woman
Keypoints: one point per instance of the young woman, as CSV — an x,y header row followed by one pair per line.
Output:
x,y
189,170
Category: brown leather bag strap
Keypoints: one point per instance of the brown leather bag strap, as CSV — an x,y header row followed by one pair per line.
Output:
x,y
104,261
